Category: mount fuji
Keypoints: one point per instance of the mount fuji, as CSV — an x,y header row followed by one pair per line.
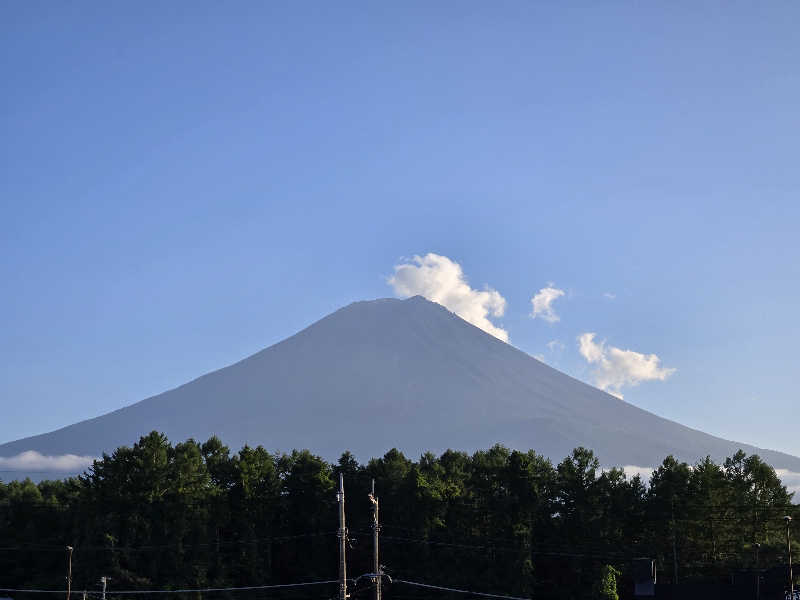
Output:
x,y
395,373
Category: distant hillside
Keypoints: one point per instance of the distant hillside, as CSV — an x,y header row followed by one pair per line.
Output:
x,y
405,373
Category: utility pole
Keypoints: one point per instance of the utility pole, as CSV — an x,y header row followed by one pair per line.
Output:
x,y
376,566
342,543
104,580
674,544
69,572
788,520
758,574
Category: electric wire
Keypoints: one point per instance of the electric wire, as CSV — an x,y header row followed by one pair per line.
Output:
x,y
149,547
180,591
458,591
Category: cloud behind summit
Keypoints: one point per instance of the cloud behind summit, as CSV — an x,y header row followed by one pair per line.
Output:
x,y
442,280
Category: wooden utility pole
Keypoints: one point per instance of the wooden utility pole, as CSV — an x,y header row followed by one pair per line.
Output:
x,y
788,520
69,572
674,544
758,573
342,543
376,566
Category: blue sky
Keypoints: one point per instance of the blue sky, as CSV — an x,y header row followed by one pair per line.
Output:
x,y
183,185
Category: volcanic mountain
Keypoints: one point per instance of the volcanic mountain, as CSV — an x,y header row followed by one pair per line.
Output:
x,y
395,373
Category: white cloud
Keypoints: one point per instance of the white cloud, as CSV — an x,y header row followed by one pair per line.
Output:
x,y
588,349
791,480
34,461
555,345
609,295
543,303
643,472
441,280
617,368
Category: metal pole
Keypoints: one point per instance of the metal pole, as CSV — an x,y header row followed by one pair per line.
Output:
x,y
104,581
376,566
788,520
342,543
69,572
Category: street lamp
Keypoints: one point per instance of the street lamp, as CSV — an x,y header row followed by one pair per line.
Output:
x,y
788,520
69,572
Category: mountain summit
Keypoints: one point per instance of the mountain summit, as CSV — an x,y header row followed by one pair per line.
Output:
x,y
396,373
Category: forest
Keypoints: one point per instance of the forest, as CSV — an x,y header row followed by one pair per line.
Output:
x,y
159,515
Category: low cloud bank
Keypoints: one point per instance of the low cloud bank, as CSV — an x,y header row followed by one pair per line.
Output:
x,y
442,280
791,480
644,472
788,478
31,460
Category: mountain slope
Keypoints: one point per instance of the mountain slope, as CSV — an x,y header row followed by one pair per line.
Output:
x,y
386,373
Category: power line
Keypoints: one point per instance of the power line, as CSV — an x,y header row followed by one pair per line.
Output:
x,y
182,591
594,550
457,591
149,547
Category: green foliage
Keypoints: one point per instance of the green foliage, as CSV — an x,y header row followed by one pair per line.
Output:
x,y
194,514
606,586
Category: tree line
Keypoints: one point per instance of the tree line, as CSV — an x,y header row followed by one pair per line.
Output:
x,y
159,515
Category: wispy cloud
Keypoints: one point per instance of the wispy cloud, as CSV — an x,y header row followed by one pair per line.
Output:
x,y
609,295
442,280
34,461
617,368
555,345
543,303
